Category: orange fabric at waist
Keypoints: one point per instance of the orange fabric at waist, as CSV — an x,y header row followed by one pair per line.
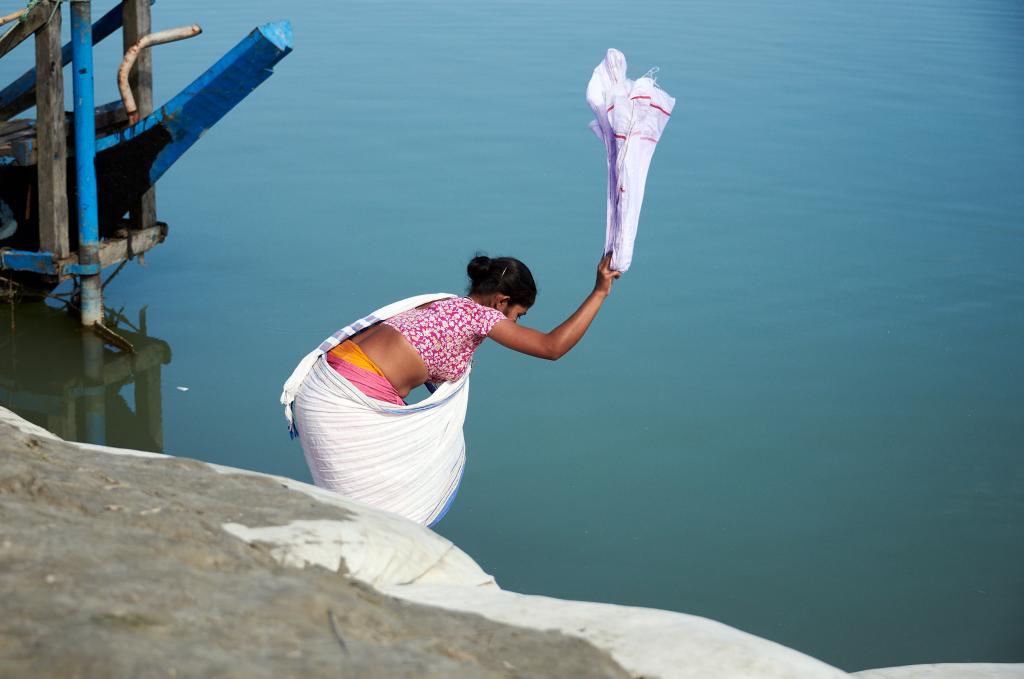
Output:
x,y
352,353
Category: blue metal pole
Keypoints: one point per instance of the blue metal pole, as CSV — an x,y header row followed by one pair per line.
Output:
x,y
85,160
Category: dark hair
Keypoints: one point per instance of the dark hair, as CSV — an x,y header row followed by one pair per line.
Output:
x,y
506,275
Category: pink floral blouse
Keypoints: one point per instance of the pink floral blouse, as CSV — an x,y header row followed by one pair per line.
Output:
x,y
446,333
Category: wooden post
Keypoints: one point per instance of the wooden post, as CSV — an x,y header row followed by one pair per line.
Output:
x,y
136,25
51,137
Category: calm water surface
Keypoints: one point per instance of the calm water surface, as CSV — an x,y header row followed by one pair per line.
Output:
x,y
799,414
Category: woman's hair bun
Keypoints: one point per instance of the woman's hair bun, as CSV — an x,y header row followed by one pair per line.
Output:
x,y
478,268
506,275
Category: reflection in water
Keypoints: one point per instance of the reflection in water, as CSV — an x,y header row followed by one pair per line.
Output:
x,y
63,378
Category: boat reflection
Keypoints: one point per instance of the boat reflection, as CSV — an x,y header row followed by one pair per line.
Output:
x,y
63,378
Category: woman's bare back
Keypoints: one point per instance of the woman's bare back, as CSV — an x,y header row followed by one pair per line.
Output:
x,y
396,358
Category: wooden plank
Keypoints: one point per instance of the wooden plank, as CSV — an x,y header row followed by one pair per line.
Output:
x,y
20,145
22,151
16,126
137,23
37,16
114,250
14,134
110,116
51,138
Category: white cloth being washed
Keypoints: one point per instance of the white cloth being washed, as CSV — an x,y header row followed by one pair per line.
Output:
x,y
404,459
629,118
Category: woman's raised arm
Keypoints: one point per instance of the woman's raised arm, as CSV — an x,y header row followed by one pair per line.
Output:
x,y
555,344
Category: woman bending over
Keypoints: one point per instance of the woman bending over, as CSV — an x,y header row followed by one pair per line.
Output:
x,y
346,410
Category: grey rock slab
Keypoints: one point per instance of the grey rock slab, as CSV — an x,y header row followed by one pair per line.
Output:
x,y
647,642
123,563
119,566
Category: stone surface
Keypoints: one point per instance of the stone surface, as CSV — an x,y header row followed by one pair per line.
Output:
x,y
647,642
123,563
119,566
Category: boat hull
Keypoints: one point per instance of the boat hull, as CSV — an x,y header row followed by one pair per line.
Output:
x,y
131,160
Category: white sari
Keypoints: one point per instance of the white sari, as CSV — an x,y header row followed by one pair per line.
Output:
x,y
404,459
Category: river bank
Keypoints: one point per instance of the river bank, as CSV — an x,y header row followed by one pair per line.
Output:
x,y
122,563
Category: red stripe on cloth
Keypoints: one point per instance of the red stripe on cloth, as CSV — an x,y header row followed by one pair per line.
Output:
x,y
637,135
640,96
668,113
610,108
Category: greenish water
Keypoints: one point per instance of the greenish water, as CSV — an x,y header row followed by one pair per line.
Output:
x,y
800,413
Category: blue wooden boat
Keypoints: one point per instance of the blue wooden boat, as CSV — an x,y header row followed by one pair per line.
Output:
x,y
129,158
